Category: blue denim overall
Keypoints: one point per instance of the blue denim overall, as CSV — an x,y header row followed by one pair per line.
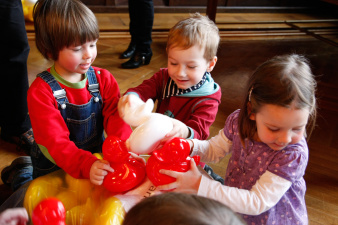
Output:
x,y
84,122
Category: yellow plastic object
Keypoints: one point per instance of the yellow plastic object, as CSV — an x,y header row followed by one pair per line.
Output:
x,y
98,155
81,214
28,6
111,212
41,188
68,198
85,203
82,187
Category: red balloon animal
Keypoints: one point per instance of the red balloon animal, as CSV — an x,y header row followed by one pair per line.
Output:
x,y
174,155
128,172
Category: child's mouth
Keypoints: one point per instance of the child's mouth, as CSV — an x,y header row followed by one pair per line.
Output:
x,y
85,65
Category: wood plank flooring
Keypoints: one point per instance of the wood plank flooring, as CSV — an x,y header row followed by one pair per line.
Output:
x,y
248,39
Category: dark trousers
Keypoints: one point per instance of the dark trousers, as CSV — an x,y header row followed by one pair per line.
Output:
x,y
14,118
141,13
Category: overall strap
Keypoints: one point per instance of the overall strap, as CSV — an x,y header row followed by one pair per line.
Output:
x,y
93,85
58,92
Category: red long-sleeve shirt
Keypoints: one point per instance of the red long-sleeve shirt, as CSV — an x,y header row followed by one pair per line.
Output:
x,y
51,132
198,111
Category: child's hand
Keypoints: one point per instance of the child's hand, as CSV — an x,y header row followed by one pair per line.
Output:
x,y
138,158
185,182
121,104
14,216
179,130
98,171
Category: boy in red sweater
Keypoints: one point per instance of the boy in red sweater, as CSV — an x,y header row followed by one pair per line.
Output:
x,y
72,103
185,91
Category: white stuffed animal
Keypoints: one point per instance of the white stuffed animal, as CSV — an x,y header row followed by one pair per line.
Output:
x,y
151,127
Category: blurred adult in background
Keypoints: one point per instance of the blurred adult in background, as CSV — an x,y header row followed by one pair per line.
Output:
x,y
14,120
141,13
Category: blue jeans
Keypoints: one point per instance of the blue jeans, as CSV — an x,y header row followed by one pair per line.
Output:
x,y
21,177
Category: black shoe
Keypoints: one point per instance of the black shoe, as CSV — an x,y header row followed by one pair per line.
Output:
x,y
24,141
9,172
138,59
129,52
214,175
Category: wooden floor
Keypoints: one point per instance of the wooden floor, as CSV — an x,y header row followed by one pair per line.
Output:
x,y
247,40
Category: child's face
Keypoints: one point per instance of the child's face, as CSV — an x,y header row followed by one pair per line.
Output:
x,y
279,126
187,66
75,60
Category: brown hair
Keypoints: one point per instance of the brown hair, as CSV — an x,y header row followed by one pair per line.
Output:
x,y
285,81
180,209
62,23
196,30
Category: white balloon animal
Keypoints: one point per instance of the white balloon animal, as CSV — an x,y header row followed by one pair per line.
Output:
x,y
151,127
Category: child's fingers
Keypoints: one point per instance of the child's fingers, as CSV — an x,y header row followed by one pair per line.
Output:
x,y
138,158
169,173
193,165
122,104
96,181
98,177
100,173
167,187
173,133
120,107
170,134
104,165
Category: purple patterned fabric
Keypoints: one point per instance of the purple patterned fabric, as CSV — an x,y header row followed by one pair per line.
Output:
x,y
246,165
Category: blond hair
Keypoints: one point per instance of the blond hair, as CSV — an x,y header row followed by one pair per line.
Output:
x,y
195,30
62,23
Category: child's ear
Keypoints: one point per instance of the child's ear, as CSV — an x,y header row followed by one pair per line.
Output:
x,y
212,64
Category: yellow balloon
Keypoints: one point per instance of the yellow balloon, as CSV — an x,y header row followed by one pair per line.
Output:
x,y
81,187
41,188
85,203
68,198
81,214
111,212
99,194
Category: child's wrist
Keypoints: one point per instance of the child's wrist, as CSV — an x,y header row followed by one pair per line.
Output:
x,y
192,146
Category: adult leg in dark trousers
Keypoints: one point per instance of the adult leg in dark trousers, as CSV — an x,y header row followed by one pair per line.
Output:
x,y
14,120
141,13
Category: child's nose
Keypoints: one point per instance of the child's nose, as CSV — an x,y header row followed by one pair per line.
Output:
x,y
87,54
181,71
285,138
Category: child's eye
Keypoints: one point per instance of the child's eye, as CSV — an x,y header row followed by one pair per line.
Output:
x,y
273,129
192,67
75,48
173,64
297,129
